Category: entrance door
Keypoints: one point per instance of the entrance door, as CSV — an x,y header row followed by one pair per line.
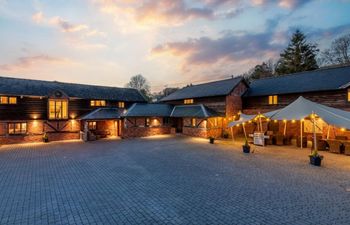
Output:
x,y
179,125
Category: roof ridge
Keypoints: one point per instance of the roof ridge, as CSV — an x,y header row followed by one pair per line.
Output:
x,y
302,72
60,82
215,81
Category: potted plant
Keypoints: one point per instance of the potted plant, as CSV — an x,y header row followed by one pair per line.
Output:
x,y
225,135
315,158
246,147
45,138
211,140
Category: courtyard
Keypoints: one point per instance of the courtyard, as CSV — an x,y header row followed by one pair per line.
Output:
x,y
170,180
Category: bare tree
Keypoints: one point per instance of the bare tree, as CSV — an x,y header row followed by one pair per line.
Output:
x,y
140,83
338,53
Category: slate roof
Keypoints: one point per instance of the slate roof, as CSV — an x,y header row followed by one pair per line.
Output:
x,y
16,86
144,110
216,88
197,111
103,114
325,79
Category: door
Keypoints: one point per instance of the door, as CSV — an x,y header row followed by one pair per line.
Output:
x,y
179,125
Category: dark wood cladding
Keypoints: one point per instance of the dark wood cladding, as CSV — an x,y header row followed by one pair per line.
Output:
x,y
217,103
28,108
336,99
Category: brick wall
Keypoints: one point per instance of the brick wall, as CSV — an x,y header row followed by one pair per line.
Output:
x,y
136,127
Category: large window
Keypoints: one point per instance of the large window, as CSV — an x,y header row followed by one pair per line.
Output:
x,y
17,128
58,109
188,101
92,125
8,100
273,100
121,105
98,103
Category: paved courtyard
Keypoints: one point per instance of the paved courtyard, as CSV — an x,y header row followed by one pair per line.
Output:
x,y
169,180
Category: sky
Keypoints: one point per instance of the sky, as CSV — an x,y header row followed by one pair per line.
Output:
x,y
170,42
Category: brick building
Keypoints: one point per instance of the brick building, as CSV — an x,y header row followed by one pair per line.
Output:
x,y
31,108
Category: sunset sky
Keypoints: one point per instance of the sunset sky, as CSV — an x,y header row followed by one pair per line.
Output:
x,y
170,42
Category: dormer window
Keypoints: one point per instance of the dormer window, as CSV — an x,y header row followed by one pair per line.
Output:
x,y
8,100
97,103
188,101
121,105
273,100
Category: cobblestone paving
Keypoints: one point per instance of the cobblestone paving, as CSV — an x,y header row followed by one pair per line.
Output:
x,y
167,181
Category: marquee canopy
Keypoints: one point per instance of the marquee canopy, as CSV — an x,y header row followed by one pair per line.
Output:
x,y
303,108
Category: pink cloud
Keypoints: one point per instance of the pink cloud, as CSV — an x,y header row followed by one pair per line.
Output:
x,y
32,61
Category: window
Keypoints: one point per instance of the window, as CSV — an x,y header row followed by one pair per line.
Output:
x,y
12,100
348,95
8,100
193,122
92,125
188,101
17,128
97,103
273,100
147,122
121,105
58,109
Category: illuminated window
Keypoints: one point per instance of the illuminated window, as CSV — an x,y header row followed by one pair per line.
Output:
x,y
349,95
12,100
193,122
92,125
273,100
147,122
4,100
188,101
121,105
97,103
58,109
17,128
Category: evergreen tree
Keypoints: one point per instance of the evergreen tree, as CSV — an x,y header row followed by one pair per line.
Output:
x,y
298,56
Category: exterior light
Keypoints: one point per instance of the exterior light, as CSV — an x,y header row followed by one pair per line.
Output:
x,y
249,121
293,121
285,121
267,119
275,121
342,129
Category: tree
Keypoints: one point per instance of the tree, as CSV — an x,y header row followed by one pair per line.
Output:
x,y
338,53
165,92
140,83
298,56
264,70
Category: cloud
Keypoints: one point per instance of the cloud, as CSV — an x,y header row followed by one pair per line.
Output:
x,y
32,61
230,48
65,26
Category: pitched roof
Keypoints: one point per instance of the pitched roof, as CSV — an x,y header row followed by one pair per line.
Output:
x,y
16,86
144,110
324,79
216,88
197,111
103,114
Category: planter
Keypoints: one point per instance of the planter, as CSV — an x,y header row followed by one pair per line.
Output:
x,y
45,140
246,148
316,160
211,140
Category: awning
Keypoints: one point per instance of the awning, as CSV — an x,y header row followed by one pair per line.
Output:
x,y
103,114
245,118
302,108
